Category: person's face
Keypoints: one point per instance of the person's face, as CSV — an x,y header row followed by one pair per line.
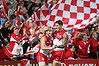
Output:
x,y
86,30
50,33
94,35
85,37
7,24
16,31
73,48
58,27
40,35
44,29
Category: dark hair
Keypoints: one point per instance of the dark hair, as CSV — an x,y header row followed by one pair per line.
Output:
x,y
81,36
70,46
16,28
46,31
8,3
59,22
12,16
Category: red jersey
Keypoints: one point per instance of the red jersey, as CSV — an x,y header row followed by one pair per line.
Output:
x,y
83,48
58,38
2,55
48,43
60,34
76,40
42,55
14,43
68,54
93,45
57,54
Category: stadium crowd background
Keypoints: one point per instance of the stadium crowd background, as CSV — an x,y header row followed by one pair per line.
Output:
x,y
20,11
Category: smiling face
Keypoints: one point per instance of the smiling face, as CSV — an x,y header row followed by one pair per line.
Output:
x,y
94,35
50,32
85,37
58,27
73,49
16,31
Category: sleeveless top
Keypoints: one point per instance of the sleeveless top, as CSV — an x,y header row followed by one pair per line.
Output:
x,y
48,44
58,39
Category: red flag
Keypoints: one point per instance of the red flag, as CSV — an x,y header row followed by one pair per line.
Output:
x,y
5,7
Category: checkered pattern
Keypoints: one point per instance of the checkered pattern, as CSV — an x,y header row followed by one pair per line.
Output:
x,y
39,16
73,13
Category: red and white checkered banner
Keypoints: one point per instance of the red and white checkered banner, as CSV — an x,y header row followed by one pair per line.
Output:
x,y
73,13
39,17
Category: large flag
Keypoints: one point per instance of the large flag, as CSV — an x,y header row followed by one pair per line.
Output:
x,y
5,7
74,13
39,16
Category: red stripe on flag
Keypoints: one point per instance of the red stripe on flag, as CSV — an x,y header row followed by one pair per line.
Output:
x,y
5,7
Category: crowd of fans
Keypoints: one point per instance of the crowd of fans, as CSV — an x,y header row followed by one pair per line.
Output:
x,y
81,43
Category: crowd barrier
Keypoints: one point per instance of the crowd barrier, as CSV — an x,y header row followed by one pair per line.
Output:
x,y
83,62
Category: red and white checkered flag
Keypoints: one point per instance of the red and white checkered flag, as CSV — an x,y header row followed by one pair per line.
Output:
x,y
39,16
74,13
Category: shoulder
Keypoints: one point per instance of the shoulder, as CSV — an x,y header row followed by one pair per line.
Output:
x,y
43,37
65,34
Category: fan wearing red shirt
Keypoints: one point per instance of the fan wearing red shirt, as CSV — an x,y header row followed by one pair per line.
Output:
x,y
94,43
70,53
15,42
5,54
75,38
83,46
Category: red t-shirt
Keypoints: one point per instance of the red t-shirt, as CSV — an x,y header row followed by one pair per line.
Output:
x,y
68,54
